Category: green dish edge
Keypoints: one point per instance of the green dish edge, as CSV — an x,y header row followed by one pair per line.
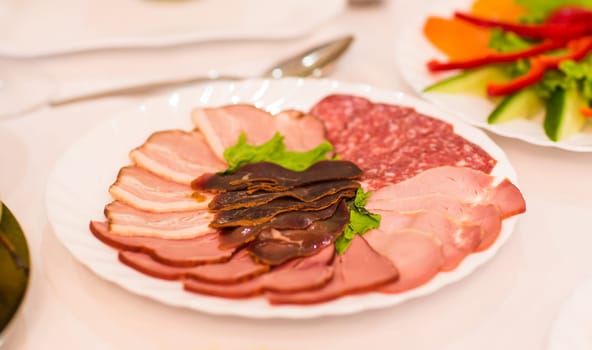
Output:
x,y
13,280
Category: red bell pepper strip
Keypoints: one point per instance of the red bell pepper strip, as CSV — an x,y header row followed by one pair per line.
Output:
x,y
586,111
578,49
436,66
534,74
541,31
569,14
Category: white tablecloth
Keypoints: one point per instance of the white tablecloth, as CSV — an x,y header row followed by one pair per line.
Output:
x,y
509,303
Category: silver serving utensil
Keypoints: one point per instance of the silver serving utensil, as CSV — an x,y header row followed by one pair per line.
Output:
x,y
308,63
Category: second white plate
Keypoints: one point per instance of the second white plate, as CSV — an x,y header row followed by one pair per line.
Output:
x,y
414,50
77,188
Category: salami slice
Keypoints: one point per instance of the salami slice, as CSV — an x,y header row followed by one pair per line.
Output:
x,y
391,143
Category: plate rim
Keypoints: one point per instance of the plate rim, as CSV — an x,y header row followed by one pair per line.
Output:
x,y
332,9
374,300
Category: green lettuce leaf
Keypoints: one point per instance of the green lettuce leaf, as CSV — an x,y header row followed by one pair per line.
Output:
x,y
360,221
273,151
570,75
502,41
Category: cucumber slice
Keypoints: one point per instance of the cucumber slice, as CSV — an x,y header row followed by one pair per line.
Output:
x,y
522,104
472,81
563,117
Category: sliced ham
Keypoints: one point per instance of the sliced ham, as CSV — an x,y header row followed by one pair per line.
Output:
x,y
177,155
301,131
465,184
358,270
129,221
417,257
147,191
457,240
239,267
296,275
487,216
180,252
222,126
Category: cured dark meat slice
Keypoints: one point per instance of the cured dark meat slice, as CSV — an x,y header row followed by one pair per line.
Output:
x,y
240,267
358,270
392,143
306,193
237,236
282,178
177,252
296,275
274,247
261,214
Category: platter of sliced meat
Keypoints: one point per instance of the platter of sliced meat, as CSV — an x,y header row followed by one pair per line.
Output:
x,y
147,199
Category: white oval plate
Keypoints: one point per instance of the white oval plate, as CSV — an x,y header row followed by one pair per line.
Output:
x,y
41,28
77,188
414,50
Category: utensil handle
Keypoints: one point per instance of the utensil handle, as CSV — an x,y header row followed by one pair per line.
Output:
x,y
138,89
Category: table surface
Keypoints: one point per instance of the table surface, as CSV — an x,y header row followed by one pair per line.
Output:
x,y
510,302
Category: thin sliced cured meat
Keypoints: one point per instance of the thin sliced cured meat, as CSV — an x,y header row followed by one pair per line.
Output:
x,y
508,198
223,125
465,184
391,142
177,155
127,220
274,247
337,111
457,240
251,175
297,275
144,190
237,236
417,257
306,193
179,252
487,216
358,270
240,267
261,214
301,131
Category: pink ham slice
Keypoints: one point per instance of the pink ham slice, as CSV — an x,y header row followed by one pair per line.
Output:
x,y
129,221
487,216
181,252
417,257
177,155
467,185
301,131
457,240
358,270
222,126
296,275
144,190
240,267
